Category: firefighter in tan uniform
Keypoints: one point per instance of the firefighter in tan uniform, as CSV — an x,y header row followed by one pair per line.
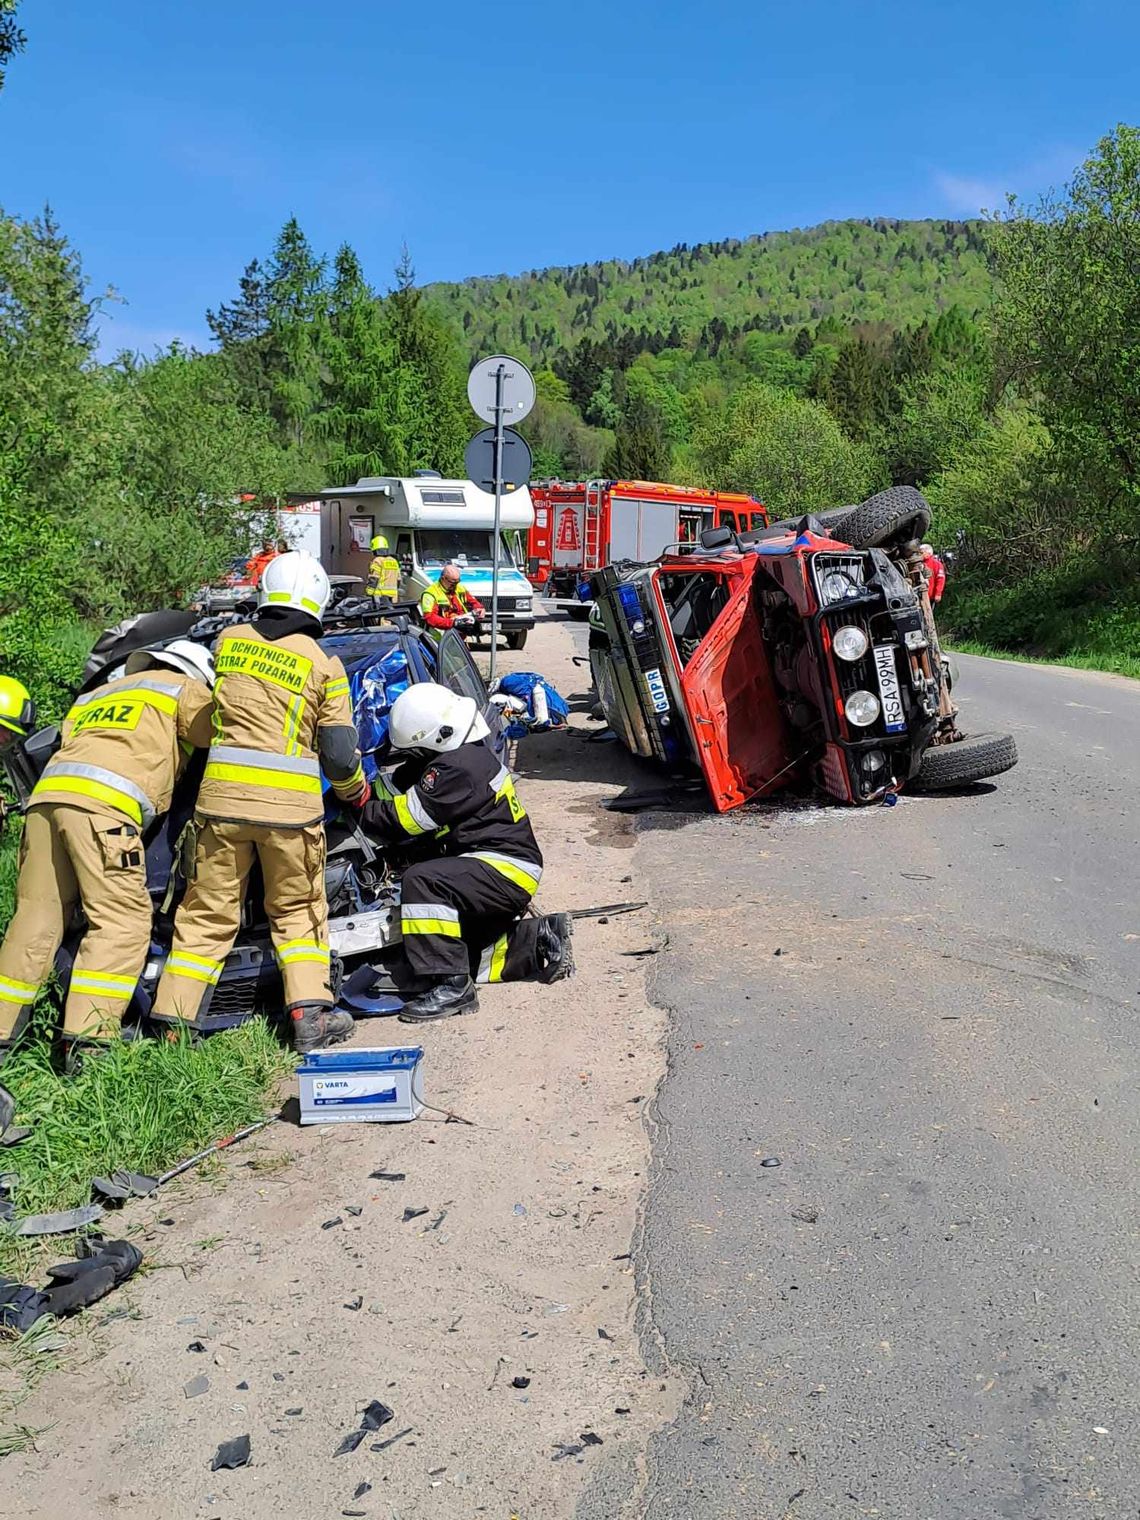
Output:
x,y
282,712
123,747
383,572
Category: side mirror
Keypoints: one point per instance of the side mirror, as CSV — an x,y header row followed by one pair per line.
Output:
x,y
533,566
717,538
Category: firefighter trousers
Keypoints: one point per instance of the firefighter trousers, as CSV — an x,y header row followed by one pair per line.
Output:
x,y
452,906
206,925
71,858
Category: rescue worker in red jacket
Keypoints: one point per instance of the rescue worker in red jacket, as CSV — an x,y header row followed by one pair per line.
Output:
x,y
935,574
448,603
462,901
123,747
280,703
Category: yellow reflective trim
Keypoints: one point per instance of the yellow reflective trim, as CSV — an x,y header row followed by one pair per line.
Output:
x,y
195,960
498,960
278,596
309,606
442,926
248,775
293,715
513,873
79,786
404,814
103,976
17,992
293,957
97,986
191,973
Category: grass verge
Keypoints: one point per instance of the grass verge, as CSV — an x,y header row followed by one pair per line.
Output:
x,y
1111,664
143,1106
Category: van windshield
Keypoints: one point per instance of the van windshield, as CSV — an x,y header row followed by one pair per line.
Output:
x,y
468,546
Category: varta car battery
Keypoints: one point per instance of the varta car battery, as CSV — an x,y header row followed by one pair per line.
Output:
x,y
378,1085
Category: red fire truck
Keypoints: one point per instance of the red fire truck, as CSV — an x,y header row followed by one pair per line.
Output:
x,y
579,526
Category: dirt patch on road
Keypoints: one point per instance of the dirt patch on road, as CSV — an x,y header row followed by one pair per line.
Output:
x,y
498,1326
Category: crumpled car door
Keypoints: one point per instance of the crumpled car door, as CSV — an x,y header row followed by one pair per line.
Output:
x,y
733,706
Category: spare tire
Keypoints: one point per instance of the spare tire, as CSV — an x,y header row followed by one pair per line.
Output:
x,y
972,759
826,519
900,513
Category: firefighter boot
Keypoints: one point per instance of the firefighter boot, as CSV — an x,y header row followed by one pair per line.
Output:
x,y
555,947
316,1025
451,995
78,1052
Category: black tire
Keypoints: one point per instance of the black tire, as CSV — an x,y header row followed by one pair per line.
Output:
x,y
972,759
517,640
897,515
826,519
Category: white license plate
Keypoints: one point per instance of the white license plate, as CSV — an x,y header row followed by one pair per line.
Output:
x,y
885,669
657,691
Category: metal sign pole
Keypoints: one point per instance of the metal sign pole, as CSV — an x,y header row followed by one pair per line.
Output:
x,y
499,409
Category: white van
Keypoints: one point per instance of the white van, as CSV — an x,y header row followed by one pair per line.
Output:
x,y
429,521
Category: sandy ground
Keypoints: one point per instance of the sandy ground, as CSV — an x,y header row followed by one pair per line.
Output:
x,y
294,1271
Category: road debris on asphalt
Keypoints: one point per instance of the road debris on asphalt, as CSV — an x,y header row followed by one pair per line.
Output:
x,y
233,1453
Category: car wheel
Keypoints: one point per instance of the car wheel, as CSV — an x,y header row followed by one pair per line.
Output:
x,y
972,759
517,640
897,515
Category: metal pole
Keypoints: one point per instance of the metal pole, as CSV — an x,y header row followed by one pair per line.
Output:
x,y
499,377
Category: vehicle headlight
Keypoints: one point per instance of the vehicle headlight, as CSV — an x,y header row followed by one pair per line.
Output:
x,y
836,585
850,643
862,708
523,604
874,760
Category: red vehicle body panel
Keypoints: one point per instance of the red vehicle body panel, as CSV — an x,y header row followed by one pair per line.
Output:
x,y
725,684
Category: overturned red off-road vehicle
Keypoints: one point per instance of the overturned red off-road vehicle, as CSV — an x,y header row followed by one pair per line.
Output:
x,y
805,651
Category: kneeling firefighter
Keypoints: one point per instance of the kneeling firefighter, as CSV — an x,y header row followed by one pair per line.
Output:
x,y
123,747
280,703
461,906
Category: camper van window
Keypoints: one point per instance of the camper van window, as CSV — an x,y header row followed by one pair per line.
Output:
x,y
467,545
442,498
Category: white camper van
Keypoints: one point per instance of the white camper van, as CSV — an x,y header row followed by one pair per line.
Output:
x,y
429,521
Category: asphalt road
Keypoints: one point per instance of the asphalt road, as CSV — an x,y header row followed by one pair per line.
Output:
x,y
928,1016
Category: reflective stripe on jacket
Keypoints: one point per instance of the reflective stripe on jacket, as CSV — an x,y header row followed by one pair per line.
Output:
x,y
124,744
384,577
272,699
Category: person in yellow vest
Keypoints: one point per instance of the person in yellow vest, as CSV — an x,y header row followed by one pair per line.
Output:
x,y
448,604
123,747
281,714
383,572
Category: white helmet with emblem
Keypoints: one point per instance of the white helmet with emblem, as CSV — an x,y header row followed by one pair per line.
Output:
x,y
296,580
182,654
431,719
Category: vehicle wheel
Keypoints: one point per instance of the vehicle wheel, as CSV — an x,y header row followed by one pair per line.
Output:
x,y
517,640
579,613
826,519
901,513
971,759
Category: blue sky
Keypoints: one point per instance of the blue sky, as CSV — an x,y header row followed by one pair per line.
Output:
x,y
173,139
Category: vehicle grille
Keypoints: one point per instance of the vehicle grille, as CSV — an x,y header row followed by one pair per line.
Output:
x,y
854,675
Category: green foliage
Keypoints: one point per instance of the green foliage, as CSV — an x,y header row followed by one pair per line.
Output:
x,y
790,453
12,39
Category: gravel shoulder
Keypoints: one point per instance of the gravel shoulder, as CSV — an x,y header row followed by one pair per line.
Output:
x,y
292,1267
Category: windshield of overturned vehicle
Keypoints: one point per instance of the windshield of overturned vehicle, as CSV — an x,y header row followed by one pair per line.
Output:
x,y
693,602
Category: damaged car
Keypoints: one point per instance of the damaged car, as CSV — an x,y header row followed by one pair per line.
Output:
x,y
382,655
804,652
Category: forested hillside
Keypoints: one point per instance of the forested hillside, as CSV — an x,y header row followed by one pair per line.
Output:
x,y
880,271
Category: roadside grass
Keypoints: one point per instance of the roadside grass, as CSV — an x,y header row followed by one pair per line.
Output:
x,y
143,1106
1111,662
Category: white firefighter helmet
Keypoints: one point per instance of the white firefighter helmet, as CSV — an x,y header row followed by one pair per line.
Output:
x,y
182,654
296,580
433,720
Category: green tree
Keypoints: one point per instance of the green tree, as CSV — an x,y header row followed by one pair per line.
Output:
x,y
296,300
432,421
1069,319
357,420
12,39
789,452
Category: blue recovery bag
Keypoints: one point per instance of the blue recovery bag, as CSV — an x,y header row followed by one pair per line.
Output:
x,y
534,706
374,688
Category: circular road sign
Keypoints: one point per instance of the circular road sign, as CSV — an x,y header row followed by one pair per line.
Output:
x,y
479,459
518,388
